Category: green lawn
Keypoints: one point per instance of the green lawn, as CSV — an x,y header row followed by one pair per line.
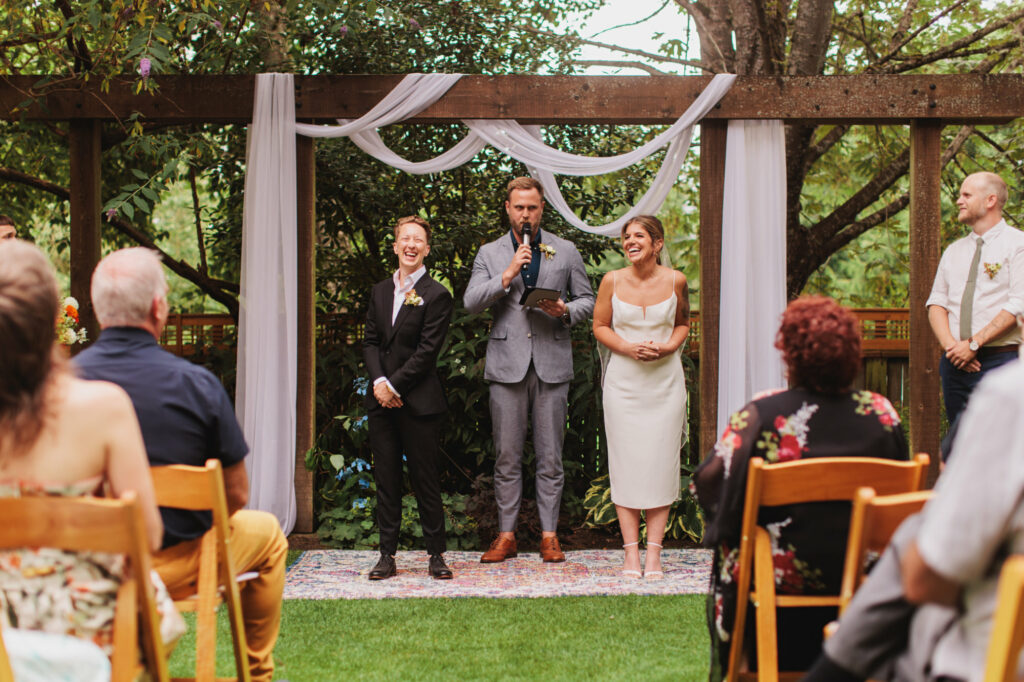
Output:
x,y
606,638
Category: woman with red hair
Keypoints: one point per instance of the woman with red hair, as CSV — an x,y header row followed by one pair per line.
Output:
x,y
819,416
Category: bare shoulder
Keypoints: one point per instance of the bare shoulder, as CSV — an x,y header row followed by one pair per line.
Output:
x,y
678,278
96,398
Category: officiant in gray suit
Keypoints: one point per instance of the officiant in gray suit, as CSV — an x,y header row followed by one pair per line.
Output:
x,y
529,358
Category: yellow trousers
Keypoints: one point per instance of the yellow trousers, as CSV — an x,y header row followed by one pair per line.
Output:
x,y
256,544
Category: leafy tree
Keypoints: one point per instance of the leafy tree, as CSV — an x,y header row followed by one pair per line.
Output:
x,y
843,181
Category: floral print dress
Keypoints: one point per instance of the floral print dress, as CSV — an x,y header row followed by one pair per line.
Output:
x,y
70,593
809,540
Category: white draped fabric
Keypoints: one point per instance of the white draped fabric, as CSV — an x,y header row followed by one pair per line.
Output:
x,y
267,346
753,264
266,365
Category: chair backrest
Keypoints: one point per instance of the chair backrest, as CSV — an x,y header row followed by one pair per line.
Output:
x,y
202,489
820,479
872,522
1007,623
81,524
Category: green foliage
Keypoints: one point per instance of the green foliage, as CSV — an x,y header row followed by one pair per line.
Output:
x,y
684,518
348,518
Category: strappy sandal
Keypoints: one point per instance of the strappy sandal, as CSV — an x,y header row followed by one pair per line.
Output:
x,y
654,575
629,572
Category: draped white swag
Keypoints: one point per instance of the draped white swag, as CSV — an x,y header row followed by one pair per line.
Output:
x,y
267,323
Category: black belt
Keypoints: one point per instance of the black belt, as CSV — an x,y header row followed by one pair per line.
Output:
x,y
985,351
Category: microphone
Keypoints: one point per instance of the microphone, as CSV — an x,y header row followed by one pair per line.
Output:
x,y
527,231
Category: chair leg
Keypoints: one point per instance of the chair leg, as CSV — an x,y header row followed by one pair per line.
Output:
x,y
206,611
767,629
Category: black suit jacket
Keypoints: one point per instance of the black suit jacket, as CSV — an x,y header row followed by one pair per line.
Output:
x,y
406,352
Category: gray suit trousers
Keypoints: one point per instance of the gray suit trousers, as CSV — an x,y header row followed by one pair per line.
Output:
x,y
512,407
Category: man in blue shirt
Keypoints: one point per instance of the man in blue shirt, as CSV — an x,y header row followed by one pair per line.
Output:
x,y
186,418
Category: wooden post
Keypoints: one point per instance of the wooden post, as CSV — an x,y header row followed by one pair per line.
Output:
x,y
84,151
925,223
712,189
305,395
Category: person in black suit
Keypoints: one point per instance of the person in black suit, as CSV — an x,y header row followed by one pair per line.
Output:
x,y
406,324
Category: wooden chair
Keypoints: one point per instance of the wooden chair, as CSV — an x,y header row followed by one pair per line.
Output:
x,y
6,674
1007,623
873,521
89,524
202,488
813,480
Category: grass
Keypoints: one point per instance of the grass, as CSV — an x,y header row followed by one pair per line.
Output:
x,y
568,638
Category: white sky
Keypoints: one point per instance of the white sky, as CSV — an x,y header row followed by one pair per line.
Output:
x,y
670,21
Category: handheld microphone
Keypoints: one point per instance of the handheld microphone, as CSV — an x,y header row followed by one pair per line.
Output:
x,y
527,231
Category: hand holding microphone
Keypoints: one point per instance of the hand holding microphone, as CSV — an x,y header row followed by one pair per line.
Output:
x,y
527,232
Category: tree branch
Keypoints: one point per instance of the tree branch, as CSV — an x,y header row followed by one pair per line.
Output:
x,y
216,289
621,64
617,48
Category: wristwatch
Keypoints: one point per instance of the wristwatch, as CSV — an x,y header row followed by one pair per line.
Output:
x,y
972,344
566,320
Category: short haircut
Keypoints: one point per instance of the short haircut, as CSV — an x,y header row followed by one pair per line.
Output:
x,y
820,344
523,183
124,285
7,220
992,184
412,219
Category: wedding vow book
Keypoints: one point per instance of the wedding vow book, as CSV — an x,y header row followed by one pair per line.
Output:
x,y
534,295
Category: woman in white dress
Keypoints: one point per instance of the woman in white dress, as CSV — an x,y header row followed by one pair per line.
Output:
x,y
642,316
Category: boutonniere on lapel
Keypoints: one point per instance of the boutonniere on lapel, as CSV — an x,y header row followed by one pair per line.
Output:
x,y
412,298
992,269
548,250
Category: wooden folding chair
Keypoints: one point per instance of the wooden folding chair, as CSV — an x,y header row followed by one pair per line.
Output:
x,y
822,479
1007,624
873,521
202,488
6,674
81,524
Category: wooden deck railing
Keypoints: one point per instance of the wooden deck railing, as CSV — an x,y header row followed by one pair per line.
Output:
x,y
885,331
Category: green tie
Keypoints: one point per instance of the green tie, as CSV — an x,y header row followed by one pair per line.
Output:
x,y
967,302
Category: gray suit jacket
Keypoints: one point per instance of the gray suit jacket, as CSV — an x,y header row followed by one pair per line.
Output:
x,y
521,334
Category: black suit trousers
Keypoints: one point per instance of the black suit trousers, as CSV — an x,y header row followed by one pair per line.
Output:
x,y
394,432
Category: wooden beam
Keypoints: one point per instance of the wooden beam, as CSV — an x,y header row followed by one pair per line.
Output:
x,y
925,223
305,398
84,152
712,190
882,99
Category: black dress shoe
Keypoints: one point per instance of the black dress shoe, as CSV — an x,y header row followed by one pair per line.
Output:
x,y
385,568
438,568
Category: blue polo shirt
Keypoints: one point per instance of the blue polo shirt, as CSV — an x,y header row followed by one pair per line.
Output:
x,y
184,412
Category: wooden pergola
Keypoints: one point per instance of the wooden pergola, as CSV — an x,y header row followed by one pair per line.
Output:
x,y
924,103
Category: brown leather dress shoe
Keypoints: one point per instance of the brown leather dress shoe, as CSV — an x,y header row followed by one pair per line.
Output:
x,y
550,551
502,548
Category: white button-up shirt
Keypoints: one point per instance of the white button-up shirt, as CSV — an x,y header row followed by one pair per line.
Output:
x,y
1000,283
402,287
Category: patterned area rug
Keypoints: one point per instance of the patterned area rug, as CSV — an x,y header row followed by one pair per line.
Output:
x,y
341,574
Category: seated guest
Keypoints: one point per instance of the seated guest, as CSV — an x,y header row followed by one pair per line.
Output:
x,y
60,435
186,418
925,611
820,416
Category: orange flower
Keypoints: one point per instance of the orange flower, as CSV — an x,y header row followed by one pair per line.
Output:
x,y
71,312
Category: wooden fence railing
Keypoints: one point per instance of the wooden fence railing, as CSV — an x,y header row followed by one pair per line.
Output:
x,y
885,341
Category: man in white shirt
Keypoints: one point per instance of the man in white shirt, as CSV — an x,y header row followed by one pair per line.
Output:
x,y
978,290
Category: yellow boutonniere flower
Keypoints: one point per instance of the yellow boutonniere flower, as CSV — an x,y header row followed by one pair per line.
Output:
x,y
992,269
548,251
412,298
